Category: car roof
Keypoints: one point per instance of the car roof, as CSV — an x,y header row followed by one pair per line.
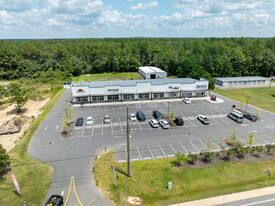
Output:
x,y
179,118
153,120
203,116
163,120
132,114
89,117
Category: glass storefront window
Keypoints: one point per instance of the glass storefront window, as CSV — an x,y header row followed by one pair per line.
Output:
x,y
158,95
113,98
143,96
128,97
98,98
82,100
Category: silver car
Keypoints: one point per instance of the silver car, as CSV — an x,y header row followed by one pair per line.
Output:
x,y
164,124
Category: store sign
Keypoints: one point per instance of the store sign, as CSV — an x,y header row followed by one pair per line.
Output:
x,y
112,90
173,87
201,86
80,91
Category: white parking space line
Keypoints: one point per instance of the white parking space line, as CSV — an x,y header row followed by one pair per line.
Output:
x,y
194,146
215,144
173,149
149,126
139,126
192,123
183,148
269,138
204,145
162,151
82,131
120,125
151,152
257,136
242,140
102,128
139,154
93,127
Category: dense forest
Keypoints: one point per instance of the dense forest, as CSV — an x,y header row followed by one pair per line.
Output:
x,y
48,60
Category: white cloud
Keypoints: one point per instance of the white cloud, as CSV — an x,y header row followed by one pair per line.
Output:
x,y
15,5
144,6
182,3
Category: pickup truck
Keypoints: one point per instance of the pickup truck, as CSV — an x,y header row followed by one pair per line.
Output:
x,y
55,200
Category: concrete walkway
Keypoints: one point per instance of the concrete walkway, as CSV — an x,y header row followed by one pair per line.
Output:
x,y
229,198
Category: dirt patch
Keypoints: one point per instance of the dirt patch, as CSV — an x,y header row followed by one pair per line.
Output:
x,y
10,118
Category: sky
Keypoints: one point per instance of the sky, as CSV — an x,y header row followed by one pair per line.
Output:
x,y
48,19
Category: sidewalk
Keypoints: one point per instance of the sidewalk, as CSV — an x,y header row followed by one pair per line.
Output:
x,y
229,198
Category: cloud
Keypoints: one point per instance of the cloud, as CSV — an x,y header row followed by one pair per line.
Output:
x,y
182,3
141,6
15,5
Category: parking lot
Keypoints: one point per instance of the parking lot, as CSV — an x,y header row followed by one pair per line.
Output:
x,y
154,143
118,123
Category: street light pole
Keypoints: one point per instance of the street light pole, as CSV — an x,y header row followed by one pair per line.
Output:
x,y
128,145
168,109
246,103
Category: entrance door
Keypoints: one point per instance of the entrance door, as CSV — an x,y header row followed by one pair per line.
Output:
x,y
113,98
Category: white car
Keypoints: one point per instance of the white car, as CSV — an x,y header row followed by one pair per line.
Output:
x,y
203,119
154,123
132,117
164,124
89,121
186,101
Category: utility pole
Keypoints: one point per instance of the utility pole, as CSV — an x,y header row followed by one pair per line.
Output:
x,y
128,145
271,80
168,109
246,103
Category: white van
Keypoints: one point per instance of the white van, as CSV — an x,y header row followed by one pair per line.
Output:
x,y
236,117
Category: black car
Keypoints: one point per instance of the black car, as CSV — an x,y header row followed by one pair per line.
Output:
x,y
55,200
157,115
251,117
79,121
179,121
140,116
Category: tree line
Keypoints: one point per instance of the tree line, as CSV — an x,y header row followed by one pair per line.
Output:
x,y
183,57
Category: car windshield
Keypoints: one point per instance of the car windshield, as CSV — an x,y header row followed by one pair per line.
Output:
x,y
107,117
89,120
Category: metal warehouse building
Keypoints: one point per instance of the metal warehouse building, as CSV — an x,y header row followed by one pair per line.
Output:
x,y
129,90
239,82
149,72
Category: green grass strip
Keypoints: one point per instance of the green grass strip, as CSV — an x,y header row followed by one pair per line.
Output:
x,y
150,180
262,97
34,177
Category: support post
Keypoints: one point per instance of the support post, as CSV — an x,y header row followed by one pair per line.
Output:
x,y
246,104
128,145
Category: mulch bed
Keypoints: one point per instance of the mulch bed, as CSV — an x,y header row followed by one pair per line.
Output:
x,y
248,158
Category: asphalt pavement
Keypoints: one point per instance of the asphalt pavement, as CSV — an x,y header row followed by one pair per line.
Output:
x,y
72,158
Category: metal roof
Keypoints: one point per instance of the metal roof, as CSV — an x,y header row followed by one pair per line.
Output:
x,y
126,83
249,78
149,69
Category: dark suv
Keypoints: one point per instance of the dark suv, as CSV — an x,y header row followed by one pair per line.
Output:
x,y
157,115
251,117
79,121
140,116
179,121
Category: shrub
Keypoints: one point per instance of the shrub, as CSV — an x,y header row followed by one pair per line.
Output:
x,y
192,158
207,156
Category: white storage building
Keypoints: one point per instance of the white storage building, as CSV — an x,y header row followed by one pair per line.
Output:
x,y
133,90
240,82
150,72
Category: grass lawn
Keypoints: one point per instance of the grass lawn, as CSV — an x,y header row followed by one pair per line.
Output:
x,y
150,179
262,97
34,177
107,76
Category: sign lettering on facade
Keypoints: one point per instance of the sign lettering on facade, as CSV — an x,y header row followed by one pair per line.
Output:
x,y
80,91
173,87
112,90
201,86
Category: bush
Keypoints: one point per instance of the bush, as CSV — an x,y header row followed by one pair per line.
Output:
x,y
207,156
229,153
4,159
192,158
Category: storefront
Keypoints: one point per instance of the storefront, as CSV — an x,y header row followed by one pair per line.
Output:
x,y
138,90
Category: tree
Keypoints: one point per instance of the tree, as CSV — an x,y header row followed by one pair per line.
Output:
x,y
67,117
251,139
18,95
4,159
242,101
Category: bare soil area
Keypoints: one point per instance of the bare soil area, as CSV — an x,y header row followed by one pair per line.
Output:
x,y
9,118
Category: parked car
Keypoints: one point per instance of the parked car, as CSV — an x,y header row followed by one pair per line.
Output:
x,y
203,119
89,121
157,115
154,123
236,117
251,117
55,200
179,121
164,124
79,121
186,101
132,117
140,116
107,119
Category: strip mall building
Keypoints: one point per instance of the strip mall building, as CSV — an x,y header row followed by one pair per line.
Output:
x,y
134,90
